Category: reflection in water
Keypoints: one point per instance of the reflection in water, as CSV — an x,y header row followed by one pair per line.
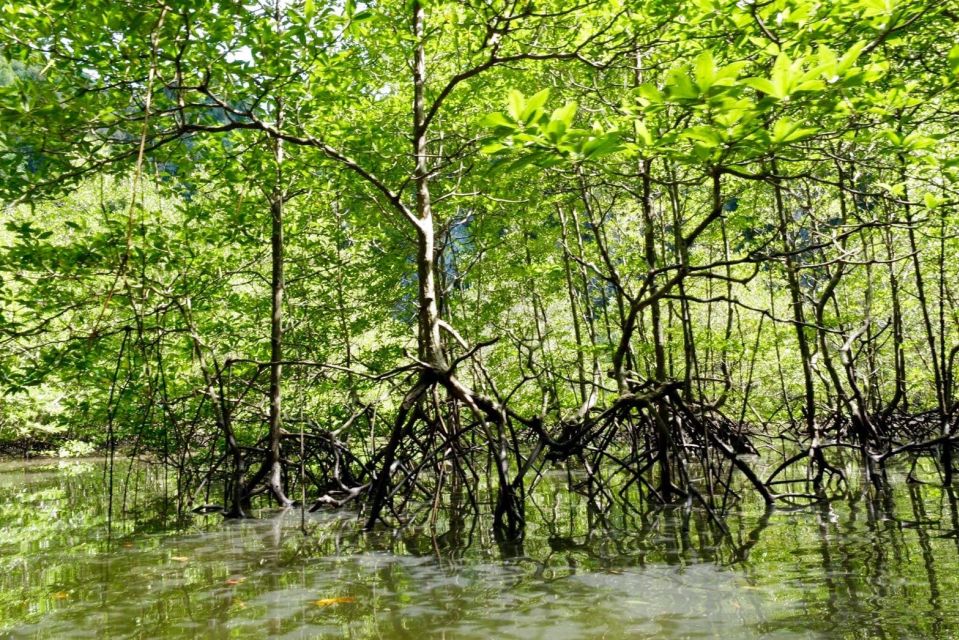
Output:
x,y
873,565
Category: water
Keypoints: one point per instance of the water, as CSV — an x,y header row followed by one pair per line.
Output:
x,y
855,568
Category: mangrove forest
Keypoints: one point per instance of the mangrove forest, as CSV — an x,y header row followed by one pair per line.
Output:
x,y
482,281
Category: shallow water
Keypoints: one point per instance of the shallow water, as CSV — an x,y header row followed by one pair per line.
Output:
x,y
856,568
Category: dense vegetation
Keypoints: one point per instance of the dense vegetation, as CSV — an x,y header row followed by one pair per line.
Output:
x,y
360,252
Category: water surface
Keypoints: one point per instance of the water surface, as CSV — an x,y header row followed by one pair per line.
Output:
x,y
865,566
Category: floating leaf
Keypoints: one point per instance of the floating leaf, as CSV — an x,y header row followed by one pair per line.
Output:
x,y
328,602
179,558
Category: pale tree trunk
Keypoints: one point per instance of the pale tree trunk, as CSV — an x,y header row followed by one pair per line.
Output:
x,y
430,341
277,284
274,477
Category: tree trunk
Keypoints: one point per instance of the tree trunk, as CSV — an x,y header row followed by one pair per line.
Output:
x,y
430,341
274,474
277,197
799,320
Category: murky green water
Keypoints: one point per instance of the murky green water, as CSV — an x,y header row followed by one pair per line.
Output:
x,y
857,568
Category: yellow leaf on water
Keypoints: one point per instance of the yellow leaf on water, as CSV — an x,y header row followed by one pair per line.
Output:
x,y
61,595
180,558
326,602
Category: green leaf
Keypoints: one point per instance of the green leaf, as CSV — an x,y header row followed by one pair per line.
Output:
x,y
493,147
650,93
679,85
705,70
534,106
931,201
828,63
524,161
785,130
707,136
781,79
565,114
760,84
730,72
601,146
517,103
846,63
494,120
642,134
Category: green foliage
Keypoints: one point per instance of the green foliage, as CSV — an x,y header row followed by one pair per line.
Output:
x,y
579,161
549,139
